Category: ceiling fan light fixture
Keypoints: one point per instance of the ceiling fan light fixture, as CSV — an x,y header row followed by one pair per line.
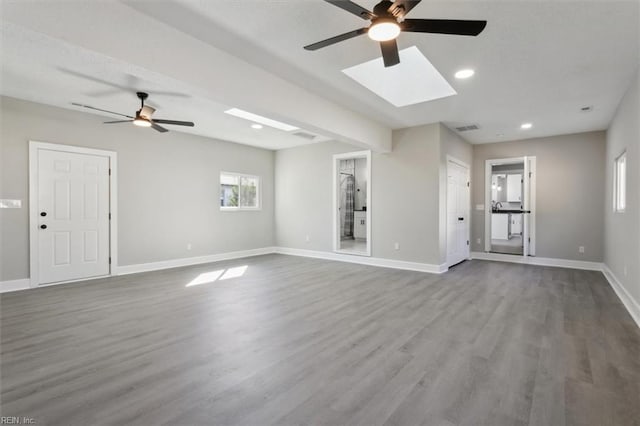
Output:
x,y
384,30
141,121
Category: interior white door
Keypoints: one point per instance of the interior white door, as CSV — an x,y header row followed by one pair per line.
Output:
x,y
73,214
457,213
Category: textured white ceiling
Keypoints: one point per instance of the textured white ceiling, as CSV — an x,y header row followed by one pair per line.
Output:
x,y
536,61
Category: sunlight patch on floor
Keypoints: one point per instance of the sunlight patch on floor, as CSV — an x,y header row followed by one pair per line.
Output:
x,y
219,275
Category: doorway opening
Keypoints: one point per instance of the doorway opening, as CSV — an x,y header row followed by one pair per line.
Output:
x,y
510,206
72,206
352,203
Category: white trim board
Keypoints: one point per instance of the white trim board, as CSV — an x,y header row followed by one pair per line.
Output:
x,y
538,261
15,285
633,307
177,263
363,260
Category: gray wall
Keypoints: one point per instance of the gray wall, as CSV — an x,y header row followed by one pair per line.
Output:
x,y
404,204
168,187
622,244
408,203
570,192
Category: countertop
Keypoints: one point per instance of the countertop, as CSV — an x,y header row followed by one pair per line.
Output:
x,y
508,211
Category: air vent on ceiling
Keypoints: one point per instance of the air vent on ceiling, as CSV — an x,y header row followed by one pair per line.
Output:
x,y
305,135
467,128
587,108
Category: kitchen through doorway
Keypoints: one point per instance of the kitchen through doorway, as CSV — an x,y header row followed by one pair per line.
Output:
x,y
510,206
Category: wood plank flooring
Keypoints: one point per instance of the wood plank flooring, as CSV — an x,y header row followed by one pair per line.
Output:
x,y
296,341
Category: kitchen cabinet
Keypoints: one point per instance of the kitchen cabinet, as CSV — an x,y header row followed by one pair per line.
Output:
x,y
516,224
514,188
500,226
360,224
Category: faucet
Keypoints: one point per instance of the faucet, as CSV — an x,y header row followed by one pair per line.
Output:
x,y
497,205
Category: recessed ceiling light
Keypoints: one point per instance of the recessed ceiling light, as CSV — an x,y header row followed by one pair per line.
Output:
x,y
236,112
256,126
462,74
526,126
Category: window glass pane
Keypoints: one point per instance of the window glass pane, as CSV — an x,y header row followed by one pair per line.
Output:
x,y
249,191
623,183
620,195
229,190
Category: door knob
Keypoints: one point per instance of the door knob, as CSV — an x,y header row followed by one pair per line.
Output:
x,y
43,226
461,218
43,213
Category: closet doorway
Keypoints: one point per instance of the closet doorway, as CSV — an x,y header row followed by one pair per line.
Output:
x,y
352,203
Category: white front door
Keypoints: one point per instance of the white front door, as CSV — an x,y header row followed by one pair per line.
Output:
x,y
457,213
73,216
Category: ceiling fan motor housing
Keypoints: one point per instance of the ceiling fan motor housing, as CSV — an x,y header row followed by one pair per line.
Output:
x,y
382,12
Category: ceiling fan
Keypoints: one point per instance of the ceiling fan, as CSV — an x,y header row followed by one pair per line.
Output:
x,y
388,20
142,117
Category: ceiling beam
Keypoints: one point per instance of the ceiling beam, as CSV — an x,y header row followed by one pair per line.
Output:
x,y
116,30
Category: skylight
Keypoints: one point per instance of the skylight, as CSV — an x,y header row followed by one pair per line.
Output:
x,y
260,119
414,80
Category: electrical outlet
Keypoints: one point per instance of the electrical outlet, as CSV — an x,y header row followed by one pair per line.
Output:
x,y
189,246
307,239
581,249
478,241
396,246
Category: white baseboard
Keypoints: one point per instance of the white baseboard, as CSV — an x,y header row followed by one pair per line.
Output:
x,y
365,260
176,263
15,285
539,261
628,301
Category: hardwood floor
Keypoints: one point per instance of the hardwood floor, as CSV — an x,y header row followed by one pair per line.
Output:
x,y
306,341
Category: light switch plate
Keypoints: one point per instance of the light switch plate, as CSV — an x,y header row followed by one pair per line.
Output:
x,y
6,203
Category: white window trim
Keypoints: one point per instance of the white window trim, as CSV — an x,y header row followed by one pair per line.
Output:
x,y
616,183
239,208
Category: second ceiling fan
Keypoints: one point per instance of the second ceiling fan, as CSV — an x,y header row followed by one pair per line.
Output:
x,y
388,20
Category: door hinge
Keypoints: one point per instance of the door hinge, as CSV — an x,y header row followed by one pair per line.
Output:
x,y
467,242
468,184
530,174
109,261
529,239
109,216
109,172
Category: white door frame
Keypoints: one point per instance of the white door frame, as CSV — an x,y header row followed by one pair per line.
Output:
x,y
336,200
34,146
529,186
459,162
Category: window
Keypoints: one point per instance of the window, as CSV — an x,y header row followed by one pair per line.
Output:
x,y
620,183
239,192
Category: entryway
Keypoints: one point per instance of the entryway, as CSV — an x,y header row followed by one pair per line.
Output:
x,y
458,227
510,206
72,213
352,203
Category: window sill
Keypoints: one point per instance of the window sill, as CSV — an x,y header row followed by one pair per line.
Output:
x,y
240,209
